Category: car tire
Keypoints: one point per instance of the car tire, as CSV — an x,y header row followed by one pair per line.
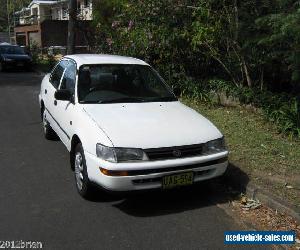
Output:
x,y
48,131
2,67
82,181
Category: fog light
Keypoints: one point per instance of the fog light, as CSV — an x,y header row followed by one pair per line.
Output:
x,y
113,172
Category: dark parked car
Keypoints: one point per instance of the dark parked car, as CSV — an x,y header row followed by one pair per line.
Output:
x,y
13,56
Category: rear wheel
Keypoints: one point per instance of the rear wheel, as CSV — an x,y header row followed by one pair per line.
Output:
x,y
83,184
48,131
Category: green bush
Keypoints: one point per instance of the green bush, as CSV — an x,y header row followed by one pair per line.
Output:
x,y
288,117
282,109
252,46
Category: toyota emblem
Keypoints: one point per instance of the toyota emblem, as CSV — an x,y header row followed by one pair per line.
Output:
x,y
177,153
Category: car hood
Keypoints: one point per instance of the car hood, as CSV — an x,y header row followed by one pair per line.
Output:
x,y
152,125
16,57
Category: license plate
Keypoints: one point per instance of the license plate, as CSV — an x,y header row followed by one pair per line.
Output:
x,y
177,180
20,64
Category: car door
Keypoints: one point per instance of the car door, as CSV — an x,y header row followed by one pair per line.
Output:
x,y
66,109
49,91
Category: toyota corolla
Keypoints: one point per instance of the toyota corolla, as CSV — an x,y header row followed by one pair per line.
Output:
x,y
125,128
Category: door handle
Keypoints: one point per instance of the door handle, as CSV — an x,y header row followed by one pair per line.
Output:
x,y
45,91
55,102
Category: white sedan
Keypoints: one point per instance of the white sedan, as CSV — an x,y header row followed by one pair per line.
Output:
x,y
124,127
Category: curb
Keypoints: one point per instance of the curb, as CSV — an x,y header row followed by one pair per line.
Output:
x,y
238,180
266,198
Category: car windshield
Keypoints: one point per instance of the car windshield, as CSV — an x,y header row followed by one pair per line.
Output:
x,y
11,50
121,83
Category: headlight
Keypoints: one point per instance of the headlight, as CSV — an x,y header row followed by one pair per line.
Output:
x,y
215,146
8,59
105,153
120,154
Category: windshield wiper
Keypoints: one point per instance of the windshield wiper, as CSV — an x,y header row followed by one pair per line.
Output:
x,y
163,99
88,102
133,100
123,100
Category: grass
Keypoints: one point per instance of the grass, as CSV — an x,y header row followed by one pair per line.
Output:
x,y
272,160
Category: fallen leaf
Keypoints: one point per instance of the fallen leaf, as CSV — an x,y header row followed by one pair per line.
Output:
x,y
244,200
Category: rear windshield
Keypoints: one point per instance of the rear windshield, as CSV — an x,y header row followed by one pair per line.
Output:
x,y
11,50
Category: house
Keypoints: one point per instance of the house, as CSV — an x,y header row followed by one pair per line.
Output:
x,y
44,23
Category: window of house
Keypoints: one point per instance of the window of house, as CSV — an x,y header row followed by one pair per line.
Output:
x,y
64,12
34,11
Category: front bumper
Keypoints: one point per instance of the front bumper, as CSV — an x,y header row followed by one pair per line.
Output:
x,y
148,175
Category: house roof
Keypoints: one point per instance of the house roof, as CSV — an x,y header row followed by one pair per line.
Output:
x,y
22,10
104,59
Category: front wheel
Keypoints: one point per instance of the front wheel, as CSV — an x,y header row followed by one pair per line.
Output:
x,y
83,184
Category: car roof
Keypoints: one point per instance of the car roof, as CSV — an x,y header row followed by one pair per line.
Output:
x,y
82,59
8,45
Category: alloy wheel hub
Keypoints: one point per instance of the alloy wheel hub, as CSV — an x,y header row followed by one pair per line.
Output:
x,y
79,170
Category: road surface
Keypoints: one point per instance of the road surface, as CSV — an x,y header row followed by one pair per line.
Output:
x,y
39,202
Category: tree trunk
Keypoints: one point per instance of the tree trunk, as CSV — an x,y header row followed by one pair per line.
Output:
x,y
262,79
222,64
72,26
247,74
8,19
236,20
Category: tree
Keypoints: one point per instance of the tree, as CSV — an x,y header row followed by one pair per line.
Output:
x,y
254,44
12,6
72,26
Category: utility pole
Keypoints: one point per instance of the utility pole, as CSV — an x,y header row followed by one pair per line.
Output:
x,y
8,18
72,26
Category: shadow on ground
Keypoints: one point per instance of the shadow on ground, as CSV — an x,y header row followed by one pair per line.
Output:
x,y
160,202
236,178
12,78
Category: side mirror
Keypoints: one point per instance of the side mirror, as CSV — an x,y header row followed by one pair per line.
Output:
x,y
63,95
177,91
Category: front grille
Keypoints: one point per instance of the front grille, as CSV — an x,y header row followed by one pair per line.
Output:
x,y
155,154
